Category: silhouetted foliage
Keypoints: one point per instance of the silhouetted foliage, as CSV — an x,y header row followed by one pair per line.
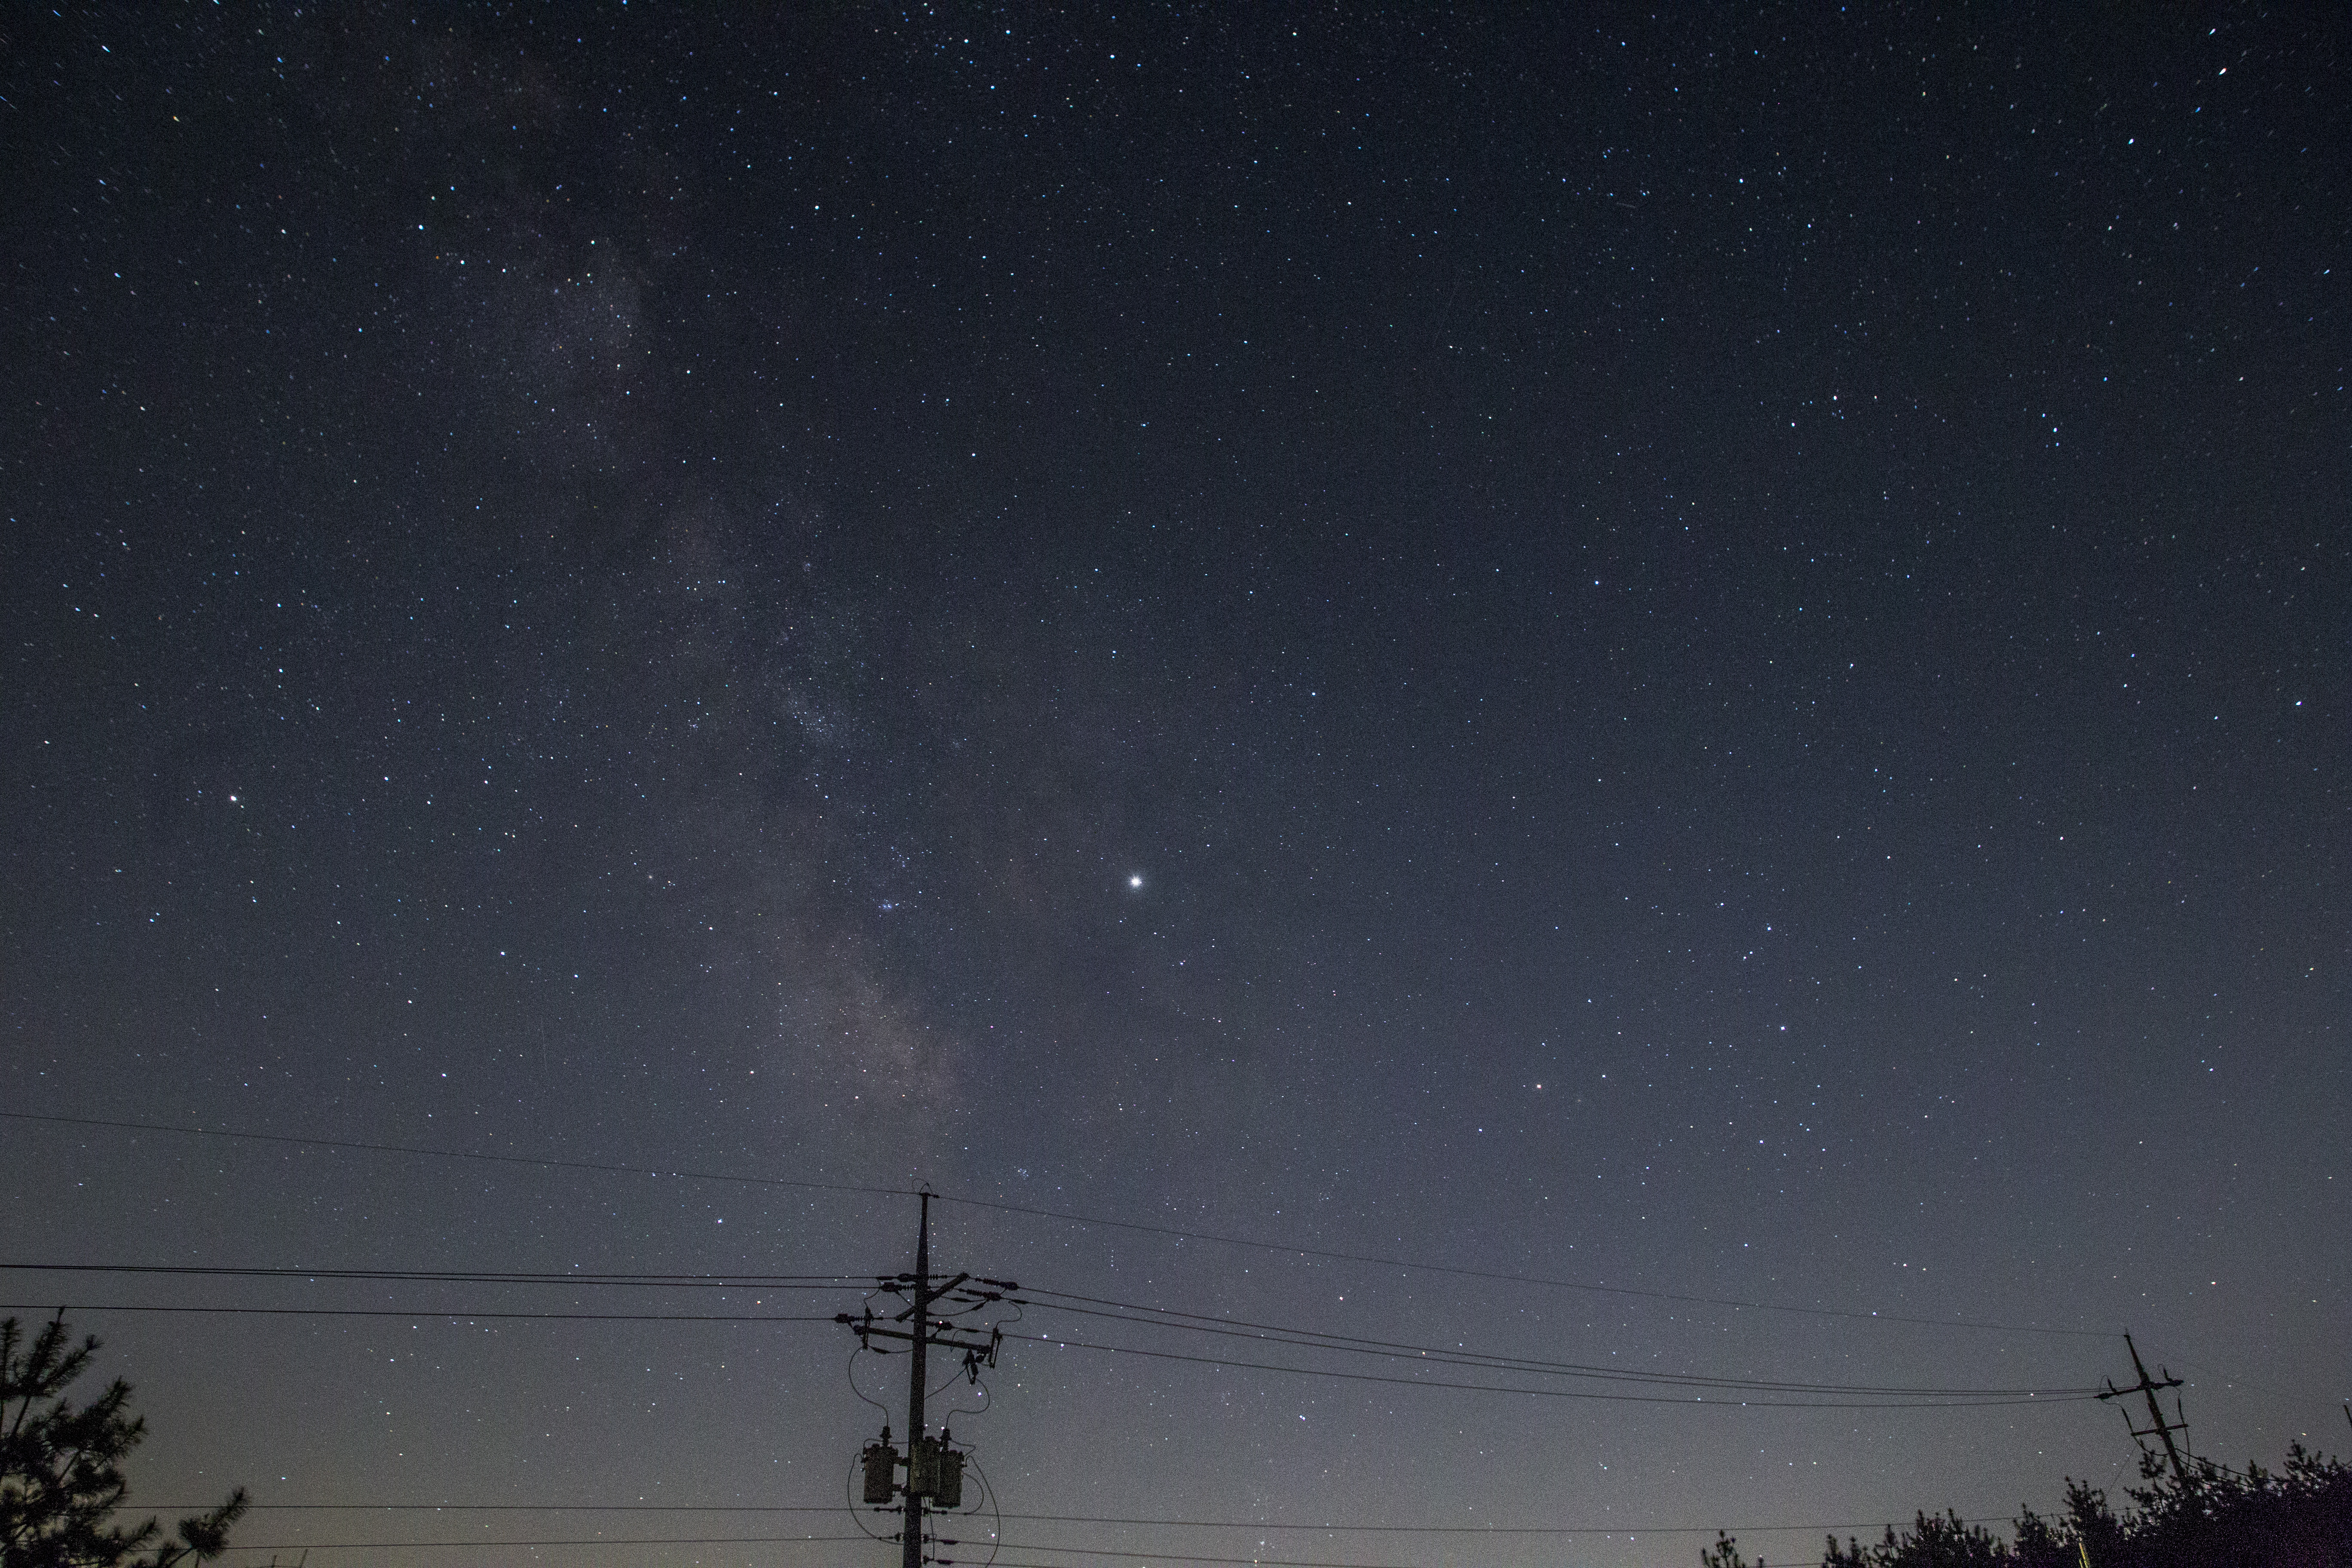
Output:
x,y
61,1468
2297,1518
1931,1543
2300,1518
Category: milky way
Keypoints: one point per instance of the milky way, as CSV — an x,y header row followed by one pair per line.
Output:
x,y
1662,694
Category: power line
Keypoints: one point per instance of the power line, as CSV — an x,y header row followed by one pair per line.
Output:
x,y
1117,1312
1168,1557
747,1541
1301,1562
458,1155
1325,1525
586,1540
1273,1333
1564,1392
1464,1528
445,1313
1070,1217
426,1312
451,1276
1433,1354
518,1508
834,1540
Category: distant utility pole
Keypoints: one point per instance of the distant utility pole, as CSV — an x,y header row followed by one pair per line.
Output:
x,y
934,1466
2157,1427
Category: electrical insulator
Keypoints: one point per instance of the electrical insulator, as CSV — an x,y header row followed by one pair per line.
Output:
x,y
881,1472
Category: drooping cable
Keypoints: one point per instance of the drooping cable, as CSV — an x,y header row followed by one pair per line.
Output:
x,y
459,1155
1697,1401
850,1496
1073,1218
426,1312
1274,1333
462,1277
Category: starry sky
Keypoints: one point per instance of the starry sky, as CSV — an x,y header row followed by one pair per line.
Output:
x,y
1648,708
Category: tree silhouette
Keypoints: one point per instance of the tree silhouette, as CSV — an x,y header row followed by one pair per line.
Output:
x,y
2212,1517
1930,1542
61,1467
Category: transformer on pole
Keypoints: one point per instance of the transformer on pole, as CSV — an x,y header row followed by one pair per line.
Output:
x,y
934,1466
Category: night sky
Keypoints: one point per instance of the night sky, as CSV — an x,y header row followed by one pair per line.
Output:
x,y
1665,695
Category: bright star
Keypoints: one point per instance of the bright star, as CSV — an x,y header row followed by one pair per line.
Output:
x,y
1136,880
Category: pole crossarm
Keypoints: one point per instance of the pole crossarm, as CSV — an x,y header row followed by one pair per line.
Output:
x,y
866,1327
933,1464
934,1293
2157,1427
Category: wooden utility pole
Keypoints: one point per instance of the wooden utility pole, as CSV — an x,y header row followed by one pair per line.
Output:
x,y
934,1467
917,1375
2157,1427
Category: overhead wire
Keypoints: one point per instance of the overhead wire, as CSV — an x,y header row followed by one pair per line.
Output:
x,y
2029,1399
1462,1529
1329,1526
289,1138
458,1314
575,1540
849,1372
1173,1557
422,1312
463,1276
1874,1398
956,1563
849,1496
1074,1217
1274,1333
994,1504
1052,1300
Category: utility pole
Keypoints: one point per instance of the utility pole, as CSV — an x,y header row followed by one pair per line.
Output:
x,y
2157,1427
934,1466
918,1375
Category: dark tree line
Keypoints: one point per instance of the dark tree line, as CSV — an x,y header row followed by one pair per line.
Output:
x,y
61,1467
2300,1517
